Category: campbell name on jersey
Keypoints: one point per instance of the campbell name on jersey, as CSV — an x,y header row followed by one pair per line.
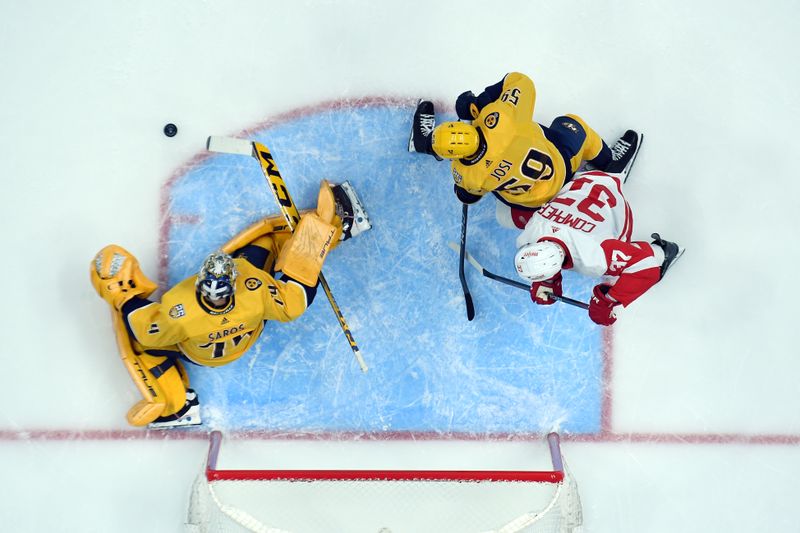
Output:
x,y
518,164
214,337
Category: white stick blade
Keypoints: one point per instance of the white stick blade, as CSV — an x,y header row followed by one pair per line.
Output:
x,y
229,145
468,256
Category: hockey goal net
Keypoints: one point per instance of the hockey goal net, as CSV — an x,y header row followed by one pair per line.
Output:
x,y
384,501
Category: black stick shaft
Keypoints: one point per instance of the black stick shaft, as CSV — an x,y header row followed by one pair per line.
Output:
x,y
526,287
513,283
461,256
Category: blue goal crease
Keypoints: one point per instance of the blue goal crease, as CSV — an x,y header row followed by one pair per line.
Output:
x,y
515,369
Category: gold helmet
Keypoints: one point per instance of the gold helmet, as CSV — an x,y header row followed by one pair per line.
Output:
x,y
454,140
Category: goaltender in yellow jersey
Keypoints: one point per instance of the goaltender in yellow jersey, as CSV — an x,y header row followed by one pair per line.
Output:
x,y
264,273
214,336
501,150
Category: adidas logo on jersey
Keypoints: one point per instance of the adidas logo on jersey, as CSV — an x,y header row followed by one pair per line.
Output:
x,y
224,321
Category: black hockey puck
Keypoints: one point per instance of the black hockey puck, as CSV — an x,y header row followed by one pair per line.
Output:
x,y
170,130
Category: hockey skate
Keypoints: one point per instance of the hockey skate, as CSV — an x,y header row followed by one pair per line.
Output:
x,y
672,252
189,415
422,128
350,209
623,154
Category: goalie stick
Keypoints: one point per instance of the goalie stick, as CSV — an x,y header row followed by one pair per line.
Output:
x,y
511,282
230,145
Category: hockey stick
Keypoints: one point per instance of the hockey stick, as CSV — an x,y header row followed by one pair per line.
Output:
x,y
229,145
461,254
514,283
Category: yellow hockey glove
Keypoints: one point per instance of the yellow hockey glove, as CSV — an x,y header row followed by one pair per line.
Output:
x,y
116,276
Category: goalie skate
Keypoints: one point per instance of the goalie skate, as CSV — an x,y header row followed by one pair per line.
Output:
x,y
672,252
623,154
350,209
189,415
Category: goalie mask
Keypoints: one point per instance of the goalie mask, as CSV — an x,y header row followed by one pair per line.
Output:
x,y
215,281
539,261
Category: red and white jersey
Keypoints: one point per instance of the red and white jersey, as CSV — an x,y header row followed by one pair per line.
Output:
x,y
592,221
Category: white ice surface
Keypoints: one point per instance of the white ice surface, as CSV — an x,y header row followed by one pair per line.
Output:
x,y
87,86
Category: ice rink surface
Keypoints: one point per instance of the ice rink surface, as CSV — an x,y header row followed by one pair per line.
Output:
x,y
683,417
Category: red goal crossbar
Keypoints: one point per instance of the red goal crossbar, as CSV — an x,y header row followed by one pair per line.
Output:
x,y
549,476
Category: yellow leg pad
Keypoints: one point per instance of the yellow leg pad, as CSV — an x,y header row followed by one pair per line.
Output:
x,y
164,394
168,394
326,205
272,226
265,226
144,412
183,374
326,209
304,253
171,379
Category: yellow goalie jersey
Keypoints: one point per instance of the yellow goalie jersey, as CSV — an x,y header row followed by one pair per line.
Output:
x,y
214,337
517,162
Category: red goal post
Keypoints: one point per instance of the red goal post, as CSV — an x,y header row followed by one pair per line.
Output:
x,y
384,501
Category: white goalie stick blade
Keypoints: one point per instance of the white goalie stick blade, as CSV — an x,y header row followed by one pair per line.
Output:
x,y
229,145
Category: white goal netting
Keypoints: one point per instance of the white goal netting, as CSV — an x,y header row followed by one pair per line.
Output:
x,y
384,501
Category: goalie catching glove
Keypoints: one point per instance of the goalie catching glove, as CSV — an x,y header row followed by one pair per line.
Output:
x,y
116,276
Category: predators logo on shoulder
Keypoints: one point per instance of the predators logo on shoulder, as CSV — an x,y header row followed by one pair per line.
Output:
x,y
252,283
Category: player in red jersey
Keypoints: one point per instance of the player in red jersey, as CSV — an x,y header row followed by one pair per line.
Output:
x,y
587,227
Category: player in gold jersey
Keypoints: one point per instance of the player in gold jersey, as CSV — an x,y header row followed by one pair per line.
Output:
x,y
501,150
264,273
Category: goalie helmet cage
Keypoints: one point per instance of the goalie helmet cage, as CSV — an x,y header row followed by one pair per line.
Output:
x,y
384,501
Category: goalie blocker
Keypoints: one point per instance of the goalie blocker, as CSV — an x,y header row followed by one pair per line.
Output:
x,y
304,253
